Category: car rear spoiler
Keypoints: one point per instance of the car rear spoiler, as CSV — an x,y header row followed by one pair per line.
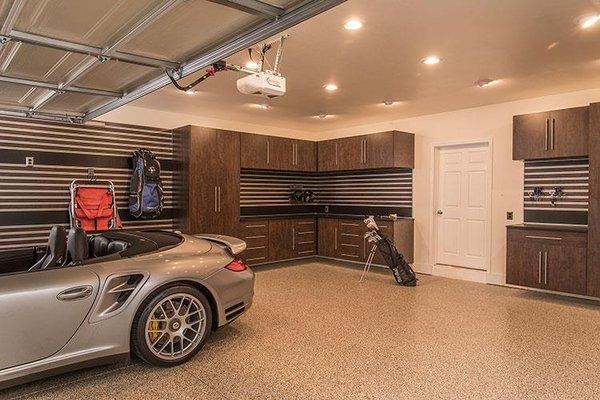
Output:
x,y
235,245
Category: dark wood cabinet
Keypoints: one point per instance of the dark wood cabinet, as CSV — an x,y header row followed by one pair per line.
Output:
x,y
391,149
327,237
277,153
546,259
306,155
292,238
327,155
254,151
593,254
256,235
344,238
210,171
553,134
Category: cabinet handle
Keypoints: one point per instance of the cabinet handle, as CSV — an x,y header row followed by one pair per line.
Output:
x,y
552,135
219,192
540,267
366,154
336,154
268,151
362,152
543,237
335,239
545,268
215,199
546,134
293,238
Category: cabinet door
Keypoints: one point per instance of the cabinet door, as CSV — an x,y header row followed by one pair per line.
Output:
x,y
565,269
227,149
254,151
569,132
327,155
281,153
281,236
328,230
524,263
379,150
306,155
202,181
350,153
531,136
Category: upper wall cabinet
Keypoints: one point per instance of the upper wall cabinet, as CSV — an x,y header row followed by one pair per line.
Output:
x,y
553,134
272,152
391,149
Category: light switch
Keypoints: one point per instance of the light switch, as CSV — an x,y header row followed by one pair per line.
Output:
x,y
29,161
509,215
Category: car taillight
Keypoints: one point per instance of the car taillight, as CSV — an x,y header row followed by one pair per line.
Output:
x,y
237,265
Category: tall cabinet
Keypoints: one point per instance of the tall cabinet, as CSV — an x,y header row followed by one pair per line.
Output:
x,y
210,171
593,253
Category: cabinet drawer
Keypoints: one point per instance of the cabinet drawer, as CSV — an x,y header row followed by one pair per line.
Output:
x,y
251,229
576,239
352,226
350,251
256,255
306,249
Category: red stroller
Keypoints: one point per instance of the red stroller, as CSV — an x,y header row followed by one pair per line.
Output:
x,y
93,206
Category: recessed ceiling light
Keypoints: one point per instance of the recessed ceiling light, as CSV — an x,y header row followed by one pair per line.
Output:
x,y
590,21
331,87
431,60
190,92
353,24
484,82
389,102
263,106
322,116
251,65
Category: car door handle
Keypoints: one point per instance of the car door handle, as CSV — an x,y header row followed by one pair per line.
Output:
x,y
75,293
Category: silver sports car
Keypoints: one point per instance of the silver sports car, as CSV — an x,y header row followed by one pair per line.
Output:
x,y
93,299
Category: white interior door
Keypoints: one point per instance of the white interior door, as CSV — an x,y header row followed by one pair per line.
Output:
x,y
463,206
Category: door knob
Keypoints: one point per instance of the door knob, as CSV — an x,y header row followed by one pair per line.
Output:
x,y
439,212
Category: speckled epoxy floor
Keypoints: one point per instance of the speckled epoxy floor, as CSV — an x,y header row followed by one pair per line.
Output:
x,y
314,332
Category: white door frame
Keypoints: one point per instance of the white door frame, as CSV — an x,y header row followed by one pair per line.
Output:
x,y
462,273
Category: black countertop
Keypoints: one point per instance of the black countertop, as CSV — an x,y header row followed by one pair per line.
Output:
x,y
316,215
564,228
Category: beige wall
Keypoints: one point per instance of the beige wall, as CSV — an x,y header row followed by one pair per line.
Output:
x,y
495,122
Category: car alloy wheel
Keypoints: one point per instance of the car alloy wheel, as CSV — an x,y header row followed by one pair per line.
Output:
x,y
175,326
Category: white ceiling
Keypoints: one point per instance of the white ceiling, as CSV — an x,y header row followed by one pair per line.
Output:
x,y
533,47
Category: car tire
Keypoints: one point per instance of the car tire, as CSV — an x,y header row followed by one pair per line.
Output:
x,y
171,326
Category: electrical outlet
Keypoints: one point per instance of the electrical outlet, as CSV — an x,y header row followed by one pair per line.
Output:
x,y
29,161
510,215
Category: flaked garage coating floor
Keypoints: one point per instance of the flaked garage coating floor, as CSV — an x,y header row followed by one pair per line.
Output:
x,y
314,332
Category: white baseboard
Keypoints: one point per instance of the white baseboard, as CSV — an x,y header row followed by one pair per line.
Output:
x,y
422,268
496,279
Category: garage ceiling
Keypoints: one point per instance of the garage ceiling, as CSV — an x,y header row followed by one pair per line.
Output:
x,y
77,59
532,47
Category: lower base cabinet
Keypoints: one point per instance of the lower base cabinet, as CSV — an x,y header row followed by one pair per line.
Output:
x,y
345,238
545,259
278,239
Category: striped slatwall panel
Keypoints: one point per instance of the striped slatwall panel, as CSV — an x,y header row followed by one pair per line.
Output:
x,y
385,189
32,199
572,176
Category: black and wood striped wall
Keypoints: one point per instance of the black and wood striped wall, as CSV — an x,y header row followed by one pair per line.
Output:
x,y
377,192
32,199
572,176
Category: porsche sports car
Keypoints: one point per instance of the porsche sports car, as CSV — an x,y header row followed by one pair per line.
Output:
x,y
93,299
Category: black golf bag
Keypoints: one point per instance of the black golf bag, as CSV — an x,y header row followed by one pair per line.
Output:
x,y
403,273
